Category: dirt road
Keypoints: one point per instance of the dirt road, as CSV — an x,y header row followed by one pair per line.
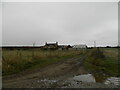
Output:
x,y
52,76
56,72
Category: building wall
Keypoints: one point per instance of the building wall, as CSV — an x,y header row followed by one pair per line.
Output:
x,y
79,46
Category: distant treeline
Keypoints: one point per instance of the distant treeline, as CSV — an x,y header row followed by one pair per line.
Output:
x,y
40,47
20,47
105,47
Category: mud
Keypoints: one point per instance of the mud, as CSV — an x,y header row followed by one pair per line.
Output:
x,y
58,75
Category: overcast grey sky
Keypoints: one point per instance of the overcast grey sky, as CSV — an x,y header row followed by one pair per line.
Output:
x,y
64,22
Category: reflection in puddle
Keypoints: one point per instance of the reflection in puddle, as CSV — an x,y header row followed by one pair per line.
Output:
x,y
50,81
100,77
90,78
113,80
85,78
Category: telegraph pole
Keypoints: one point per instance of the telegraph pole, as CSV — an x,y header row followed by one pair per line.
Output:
x,y
33,49
33,44
94,43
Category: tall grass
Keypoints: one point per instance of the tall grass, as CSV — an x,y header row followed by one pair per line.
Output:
x,y
15,61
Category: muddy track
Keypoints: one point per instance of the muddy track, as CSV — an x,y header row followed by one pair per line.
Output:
x,y
59,71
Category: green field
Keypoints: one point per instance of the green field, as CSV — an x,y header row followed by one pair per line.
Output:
x,y
15,61
102,63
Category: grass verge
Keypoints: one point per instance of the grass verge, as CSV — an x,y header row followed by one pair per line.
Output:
x,y
15,61
102,64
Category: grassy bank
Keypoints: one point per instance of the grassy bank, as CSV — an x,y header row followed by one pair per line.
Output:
x,y
102,63
15,61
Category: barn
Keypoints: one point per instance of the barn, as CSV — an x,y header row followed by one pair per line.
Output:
x,y
55,46
80,46
51,46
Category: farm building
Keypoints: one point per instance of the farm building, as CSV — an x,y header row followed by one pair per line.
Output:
x,y
55,46
51,46
80,46
64,47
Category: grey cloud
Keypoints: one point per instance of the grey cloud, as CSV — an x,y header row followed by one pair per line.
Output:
x,y
67,23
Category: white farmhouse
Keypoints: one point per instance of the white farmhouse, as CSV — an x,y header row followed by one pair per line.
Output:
x,y
80,46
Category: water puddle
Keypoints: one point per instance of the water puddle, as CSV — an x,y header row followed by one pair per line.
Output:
x,y
84,78
89,78
113,80
49,81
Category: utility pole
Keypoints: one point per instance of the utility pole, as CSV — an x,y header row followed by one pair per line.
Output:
x,y
33,44
94,43
33,50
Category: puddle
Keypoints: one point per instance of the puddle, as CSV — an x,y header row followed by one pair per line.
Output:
x,y
89,78
49,81
84,78
113,80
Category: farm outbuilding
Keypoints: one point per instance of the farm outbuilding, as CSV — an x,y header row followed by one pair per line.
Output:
x,y
64,47
51,46
80,46
55,46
